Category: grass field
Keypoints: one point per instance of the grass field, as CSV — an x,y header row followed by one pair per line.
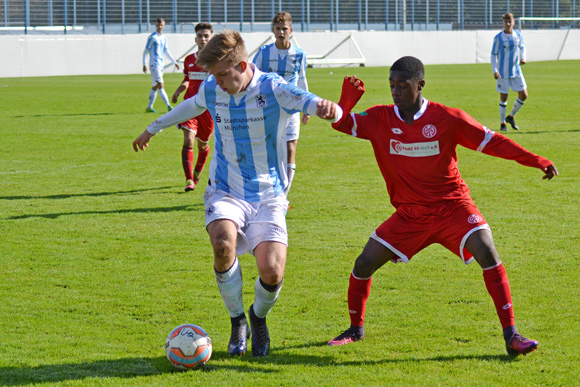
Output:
x,y
102,253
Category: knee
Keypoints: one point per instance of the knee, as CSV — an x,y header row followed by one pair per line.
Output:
x,y
363,267
202,146
223,249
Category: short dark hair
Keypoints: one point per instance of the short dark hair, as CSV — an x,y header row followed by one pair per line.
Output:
x,y
203,26
159,20
508,16
411,65
282,17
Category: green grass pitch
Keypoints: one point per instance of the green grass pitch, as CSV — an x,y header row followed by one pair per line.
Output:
x,y
102,253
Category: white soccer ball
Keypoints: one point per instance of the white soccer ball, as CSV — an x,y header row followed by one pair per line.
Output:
x,y
188,347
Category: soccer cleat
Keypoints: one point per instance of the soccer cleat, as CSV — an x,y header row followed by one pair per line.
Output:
x,y
510,120
189,185
503,127
150,110
520,345
349,336
196,176
169,108
238,344
260,335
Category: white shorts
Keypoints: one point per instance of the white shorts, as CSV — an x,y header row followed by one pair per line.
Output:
x,y
516,84
293,129
156,75
257,222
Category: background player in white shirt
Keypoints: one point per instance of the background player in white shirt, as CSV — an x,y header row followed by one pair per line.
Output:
x,y
507,54
157,47
245,203
289,62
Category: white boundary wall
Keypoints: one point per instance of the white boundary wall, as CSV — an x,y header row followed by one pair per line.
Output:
x,y
49,55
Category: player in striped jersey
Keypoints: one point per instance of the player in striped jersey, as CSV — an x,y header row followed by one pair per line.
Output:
x,y
245,203
288,61
200,127
415,143
508,53
156,47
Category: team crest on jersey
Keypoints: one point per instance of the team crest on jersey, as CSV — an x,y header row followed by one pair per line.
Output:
x,y
474,219
261,101
429,131
396,130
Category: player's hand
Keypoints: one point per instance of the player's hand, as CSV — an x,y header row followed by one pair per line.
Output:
x,y
360,86
142,141
177,66
305,118
174,97
550,171
145,69
326,109
496,75
523,62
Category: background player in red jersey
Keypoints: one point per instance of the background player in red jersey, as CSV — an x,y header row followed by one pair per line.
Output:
x,y
202,125
415,143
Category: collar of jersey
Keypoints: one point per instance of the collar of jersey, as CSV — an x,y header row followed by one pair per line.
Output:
x,y
418,114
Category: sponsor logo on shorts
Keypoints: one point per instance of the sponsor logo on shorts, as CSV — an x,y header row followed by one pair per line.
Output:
x,y
417,149
396,130
279,231
474,219
429,131
209,211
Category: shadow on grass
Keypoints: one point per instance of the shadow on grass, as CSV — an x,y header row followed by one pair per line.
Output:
x,y
198,207
92,194
138,367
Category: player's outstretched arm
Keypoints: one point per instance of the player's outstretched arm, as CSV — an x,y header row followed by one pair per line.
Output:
x,y
550,172
328,110
142,141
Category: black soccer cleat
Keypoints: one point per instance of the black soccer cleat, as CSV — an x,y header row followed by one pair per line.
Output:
x,y
260,335
238,344
520,345
503,127
510,120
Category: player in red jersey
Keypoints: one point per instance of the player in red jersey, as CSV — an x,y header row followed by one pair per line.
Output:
x,y
200,127
415,143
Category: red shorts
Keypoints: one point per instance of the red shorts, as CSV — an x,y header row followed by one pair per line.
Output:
x,y
201,125
413,227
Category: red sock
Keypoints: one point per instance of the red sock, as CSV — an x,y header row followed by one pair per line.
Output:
x,y
187,161
201,159
498,287
358,294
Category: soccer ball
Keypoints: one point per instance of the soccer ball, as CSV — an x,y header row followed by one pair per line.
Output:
x,y
188,347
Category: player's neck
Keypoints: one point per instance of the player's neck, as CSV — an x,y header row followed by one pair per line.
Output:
x,y
408,115
283,45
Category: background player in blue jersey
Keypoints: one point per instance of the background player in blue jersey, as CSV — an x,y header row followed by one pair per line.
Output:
x,y
157,47
245,202
289,62
507,54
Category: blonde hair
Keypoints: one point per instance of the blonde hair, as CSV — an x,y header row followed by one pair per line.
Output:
x,y
228,46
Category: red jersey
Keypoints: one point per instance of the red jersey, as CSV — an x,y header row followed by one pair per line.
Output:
x,y
194,74
419,161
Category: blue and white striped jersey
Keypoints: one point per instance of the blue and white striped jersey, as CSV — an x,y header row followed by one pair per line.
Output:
x,y
506,53
156,47
250,152
290,64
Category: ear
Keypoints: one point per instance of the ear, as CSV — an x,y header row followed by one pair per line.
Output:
x,y
244,66
421,84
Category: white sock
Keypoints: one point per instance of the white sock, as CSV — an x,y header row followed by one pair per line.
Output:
x,y
291,171
517,106
230,284
163,95
152,97
264,300
502,111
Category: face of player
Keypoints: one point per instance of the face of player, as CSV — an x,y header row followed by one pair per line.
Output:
x,y
282,32
159,26
202,37
405,91
231,79
508,26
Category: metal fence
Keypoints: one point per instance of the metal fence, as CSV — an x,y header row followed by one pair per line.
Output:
x,y
137,16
